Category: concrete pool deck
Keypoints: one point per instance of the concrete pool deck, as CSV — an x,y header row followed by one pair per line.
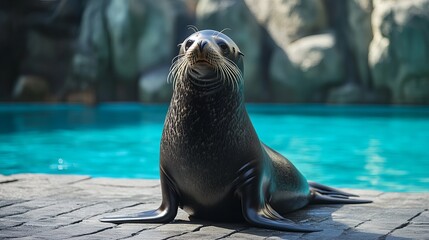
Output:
x,y
36,206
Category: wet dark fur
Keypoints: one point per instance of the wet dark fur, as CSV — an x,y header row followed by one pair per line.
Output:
x,y
213,164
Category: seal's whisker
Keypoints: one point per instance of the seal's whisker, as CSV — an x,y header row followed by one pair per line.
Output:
x,y
177,71
181,74
192,27
226,72
225,29
231,76
173,69
235,77
220,72
176,58
224,76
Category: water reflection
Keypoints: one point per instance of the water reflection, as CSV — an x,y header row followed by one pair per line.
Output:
x,y
370,151
375,163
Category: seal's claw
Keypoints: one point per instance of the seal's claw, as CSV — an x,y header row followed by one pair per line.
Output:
x,y
325,194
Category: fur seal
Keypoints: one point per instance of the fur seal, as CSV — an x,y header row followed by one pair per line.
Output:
x,y
212,163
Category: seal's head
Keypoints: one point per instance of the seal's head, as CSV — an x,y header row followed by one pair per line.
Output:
x,y
210,60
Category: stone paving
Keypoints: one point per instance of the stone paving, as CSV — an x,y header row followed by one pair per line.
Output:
x,y
34,206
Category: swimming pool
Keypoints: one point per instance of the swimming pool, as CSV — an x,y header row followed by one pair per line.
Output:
x,y
370,147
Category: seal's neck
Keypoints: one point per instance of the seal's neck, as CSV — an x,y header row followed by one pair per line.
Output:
x,y
213,94
197,124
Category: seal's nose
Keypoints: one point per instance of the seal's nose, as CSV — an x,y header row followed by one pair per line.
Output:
x,y
201,45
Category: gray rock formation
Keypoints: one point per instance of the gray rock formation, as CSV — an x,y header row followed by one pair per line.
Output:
x,y
48,57
399,52
142,34
306,69
37,40
31,89
359,36
289,20
121,39
356,51
153,86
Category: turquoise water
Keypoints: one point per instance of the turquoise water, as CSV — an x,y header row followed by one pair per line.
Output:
x,y
369,147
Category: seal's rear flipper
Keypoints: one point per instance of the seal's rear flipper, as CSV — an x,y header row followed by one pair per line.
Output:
x,y
269,218
325,194
259,213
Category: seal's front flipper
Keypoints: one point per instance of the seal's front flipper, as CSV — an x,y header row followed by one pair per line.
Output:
x,y
154,216
325,194
267,217
165,213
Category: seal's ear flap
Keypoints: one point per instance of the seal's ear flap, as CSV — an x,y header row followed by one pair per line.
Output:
x,y
240,62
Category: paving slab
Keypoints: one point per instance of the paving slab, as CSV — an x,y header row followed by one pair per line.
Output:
x,y
43,206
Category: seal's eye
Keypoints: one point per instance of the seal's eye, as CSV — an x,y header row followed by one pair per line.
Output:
x,y
188,44
224,47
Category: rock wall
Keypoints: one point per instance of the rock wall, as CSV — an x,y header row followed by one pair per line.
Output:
x,y
335,51
399,51
37,40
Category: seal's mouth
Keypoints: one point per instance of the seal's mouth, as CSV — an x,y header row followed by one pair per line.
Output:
x,y
202,61
202,70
